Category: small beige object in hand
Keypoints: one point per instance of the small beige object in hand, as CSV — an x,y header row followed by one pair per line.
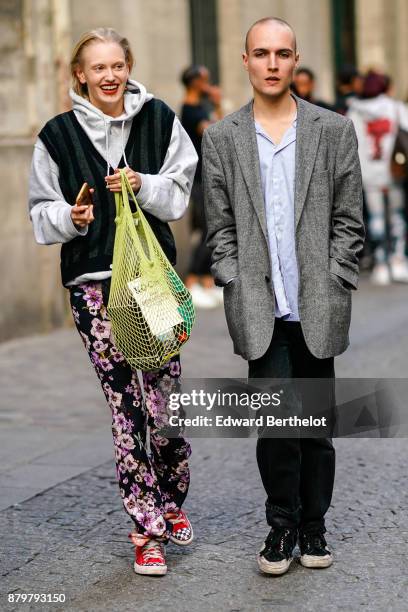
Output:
x,y
82,211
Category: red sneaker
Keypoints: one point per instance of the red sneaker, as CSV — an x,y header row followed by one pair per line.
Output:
x,y
182,532
150,560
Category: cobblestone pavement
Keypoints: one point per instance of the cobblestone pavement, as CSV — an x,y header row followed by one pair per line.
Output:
x,y
71,537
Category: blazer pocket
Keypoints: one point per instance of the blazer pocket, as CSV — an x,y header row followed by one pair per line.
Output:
x,y
339,282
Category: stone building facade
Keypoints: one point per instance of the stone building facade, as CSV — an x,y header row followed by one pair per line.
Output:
x,y
36,37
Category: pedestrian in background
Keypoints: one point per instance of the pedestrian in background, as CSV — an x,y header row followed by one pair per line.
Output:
x,y
377,117
349,86
201,107
116,124
283,198
304,85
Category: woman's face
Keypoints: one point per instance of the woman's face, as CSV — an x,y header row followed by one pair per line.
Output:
x,y
103,68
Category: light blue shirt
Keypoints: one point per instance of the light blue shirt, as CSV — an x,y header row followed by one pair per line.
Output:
x,y
277,163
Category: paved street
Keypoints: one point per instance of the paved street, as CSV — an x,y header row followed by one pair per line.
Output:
x,y
63,529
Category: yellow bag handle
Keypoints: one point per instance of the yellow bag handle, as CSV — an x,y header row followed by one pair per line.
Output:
x,y
123,209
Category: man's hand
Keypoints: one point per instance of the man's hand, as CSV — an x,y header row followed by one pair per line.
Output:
x,y
82,215
113,181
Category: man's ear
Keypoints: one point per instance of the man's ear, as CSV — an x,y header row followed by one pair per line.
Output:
x,y
245,60
297,57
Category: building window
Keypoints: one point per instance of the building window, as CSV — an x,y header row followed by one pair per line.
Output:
x,y
344,31
204,35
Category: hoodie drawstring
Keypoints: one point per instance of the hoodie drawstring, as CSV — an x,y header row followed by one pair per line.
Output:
x,y
108,164
123,145
107,146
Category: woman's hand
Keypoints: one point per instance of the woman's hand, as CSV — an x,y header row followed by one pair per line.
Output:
x,y
82,215
113,181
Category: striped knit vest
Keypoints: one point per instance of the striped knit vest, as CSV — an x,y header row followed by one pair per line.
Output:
x,y
78,162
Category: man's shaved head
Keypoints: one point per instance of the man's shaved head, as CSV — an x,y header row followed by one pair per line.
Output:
x,y
276,20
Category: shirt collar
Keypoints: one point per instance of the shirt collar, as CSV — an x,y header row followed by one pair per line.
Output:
x,y
288,137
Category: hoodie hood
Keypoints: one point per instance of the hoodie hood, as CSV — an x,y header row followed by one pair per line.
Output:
x,y
108,134
374,108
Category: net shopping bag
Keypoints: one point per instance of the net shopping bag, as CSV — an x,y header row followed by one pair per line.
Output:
x,y
150,308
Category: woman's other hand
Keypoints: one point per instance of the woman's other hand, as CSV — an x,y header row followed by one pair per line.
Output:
x,y
113,180
82,215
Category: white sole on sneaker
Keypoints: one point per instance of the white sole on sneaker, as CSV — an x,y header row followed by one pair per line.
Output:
x,y
152,570
276,568
314,561
182,542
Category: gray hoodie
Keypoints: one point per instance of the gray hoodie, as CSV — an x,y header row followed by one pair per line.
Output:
x,y
376,122
165,195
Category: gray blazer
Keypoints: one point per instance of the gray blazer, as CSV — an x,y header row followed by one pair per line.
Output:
x,y
328,221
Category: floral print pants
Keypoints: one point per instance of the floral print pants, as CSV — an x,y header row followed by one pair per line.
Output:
x,y
151,484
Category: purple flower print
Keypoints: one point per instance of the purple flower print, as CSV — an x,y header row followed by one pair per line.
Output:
x,y
127,442
158,441
117,432
175,368
138,471
182,467
76,315
131,505
157,526
116,354
135,489
105,364
96,360
155,402
100,346
167,384
93,297
182,486
149,480
115,399
120,421
128,426
100,329
130,463
170,507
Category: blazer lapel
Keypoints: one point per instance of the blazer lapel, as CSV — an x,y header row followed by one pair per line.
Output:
x,y
247,153
307,140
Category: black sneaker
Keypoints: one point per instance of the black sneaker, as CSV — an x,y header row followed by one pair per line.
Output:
x,y
313,550
275,556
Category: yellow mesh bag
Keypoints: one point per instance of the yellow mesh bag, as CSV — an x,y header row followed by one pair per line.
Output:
x,y
150,308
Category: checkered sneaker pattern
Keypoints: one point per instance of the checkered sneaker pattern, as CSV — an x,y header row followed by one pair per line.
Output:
x,y
182,531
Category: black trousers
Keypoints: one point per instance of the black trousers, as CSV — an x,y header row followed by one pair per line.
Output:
x,y
297,473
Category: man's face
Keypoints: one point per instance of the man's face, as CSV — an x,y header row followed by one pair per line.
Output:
x,y
304,85
271,59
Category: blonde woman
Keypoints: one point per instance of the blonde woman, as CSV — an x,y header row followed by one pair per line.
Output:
x,y
116,124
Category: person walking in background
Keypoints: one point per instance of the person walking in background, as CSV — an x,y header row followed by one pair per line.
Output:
x,y
377,117
283,200
349,86
116,124
304,84
201,107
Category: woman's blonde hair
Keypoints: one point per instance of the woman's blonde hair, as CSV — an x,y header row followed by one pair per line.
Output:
x,y
97,35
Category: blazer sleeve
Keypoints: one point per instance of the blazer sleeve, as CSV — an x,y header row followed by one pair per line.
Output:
x,y
348,233
222,236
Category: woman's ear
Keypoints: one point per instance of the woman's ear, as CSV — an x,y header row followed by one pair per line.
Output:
x,y
81,76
